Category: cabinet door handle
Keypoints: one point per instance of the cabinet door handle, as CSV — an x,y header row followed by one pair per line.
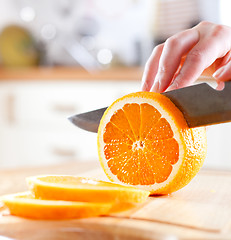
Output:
x,y
62,152
64,108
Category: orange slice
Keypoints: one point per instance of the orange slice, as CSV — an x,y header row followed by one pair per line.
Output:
x,y
25,205
73,188
144,141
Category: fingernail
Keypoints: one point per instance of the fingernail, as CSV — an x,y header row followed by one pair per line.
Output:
x,y
218,73
220,86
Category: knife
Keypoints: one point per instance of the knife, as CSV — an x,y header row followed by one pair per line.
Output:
x,y
200,104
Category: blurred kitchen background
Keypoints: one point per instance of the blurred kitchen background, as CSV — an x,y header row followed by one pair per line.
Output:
x,y
61,57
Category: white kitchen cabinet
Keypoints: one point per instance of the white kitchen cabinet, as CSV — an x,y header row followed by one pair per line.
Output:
x,y
34,127
219,146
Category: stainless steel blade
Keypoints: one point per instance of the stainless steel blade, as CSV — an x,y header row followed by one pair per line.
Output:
x,y
200,104
88,121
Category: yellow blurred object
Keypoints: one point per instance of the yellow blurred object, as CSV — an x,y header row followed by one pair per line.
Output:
x,y
17,47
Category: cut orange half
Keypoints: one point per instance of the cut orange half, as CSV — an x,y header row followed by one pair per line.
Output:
x,y
25,205
73,188
144,141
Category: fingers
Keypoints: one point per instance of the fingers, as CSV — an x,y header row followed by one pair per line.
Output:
x,y
206,47
220,86
174,49
210,47
195,62
223,73
151,68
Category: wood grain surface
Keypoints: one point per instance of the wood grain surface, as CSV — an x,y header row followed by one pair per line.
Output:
x,y
70,73
201,210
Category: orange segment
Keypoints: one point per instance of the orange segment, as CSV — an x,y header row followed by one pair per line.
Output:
x,y
168,149
146,174
117,163
132,112
120,120
114,135
25,205
113,150
154,148
72,188
160,168
161,130
129,168
149,117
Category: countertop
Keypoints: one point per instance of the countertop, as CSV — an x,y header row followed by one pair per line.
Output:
x,y
201,210
70,73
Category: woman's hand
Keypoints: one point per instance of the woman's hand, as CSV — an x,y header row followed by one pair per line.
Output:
x,y
185,56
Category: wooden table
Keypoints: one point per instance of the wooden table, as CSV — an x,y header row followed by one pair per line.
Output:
x,y
201,210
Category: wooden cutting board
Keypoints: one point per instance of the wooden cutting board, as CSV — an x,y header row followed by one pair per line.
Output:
x,y
201,210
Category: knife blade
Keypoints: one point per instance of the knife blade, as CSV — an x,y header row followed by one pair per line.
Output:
x,y
200,104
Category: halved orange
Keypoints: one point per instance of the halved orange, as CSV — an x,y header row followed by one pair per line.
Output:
x,y
74,188
144,141
25,205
